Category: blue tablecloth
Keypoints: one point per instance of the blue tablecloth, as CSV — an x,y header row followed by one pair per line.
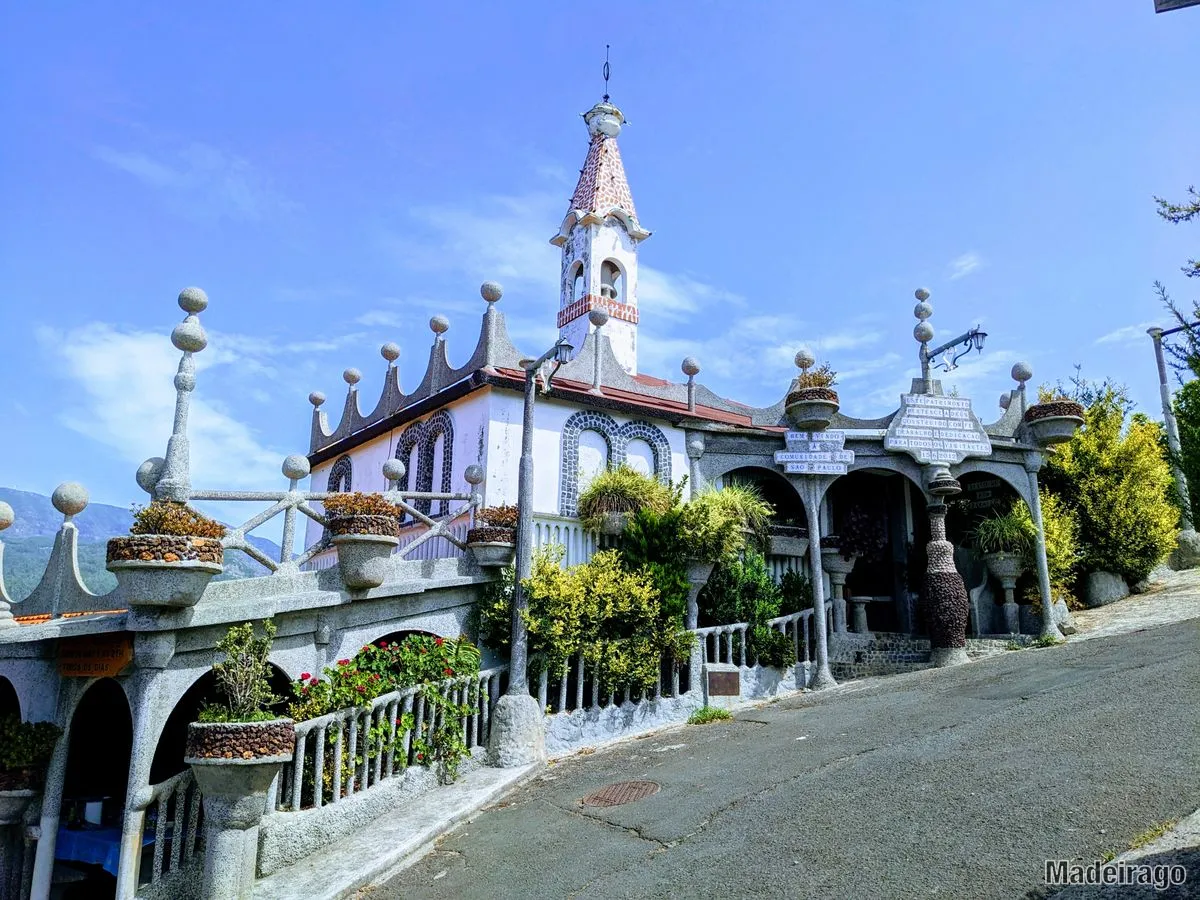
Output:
x,y
98,846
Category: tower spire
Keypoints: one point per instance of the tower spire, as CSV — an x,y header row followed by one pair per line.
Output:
x,y
599,237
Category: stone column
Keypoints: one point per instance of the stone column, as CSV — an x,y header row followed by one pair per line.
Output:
x,y
823,677
1033,462
946,595
860,614
1012,619
837,593
234,794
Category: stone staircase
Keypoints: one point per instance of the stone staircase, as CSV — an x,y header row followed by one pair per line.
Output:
x,y
882,653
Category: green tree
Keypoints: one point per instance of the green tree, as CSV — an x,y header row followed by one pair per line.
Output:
x,y
1115,478
1187,417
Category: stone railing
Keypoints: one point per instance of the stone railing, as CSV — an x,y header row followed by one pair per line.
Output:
x,y
717,644
577,687
580,545
173,818
361,760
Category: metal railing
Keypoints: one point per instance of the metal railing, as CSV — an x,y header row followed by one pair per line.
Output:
x,y
351,750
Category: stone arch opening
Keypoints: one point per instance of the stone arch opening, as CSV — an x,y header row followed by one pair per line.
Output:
x,y
884,508
10,703
99,749
612,281
169,752
776,490
575,280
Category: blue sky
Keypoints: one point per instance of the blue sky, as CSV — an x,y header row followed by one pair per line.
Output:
x,y
333,177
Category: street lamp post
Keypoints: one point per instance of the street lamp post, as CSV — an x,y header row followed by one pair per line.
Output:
x,y
1187,553
517,737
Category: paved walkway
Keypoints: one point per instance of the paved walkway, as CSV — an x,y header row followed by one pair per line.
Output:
x,y
944,783
1173,599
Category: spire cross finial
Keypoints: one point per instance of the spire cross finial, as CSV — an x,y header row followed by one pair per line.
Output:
x,y
607,72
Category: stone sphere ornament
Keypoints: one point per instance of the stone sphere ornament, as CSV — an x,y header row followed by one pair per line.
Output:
x,y
7,516
474,474
690,366
805,358
70,498
149,472
1022,372
1005,400
491,291
316,398
439,324
923,332
394,469
189,336
352,376
390,351
295,467
598,317
192,300
921,294
923,310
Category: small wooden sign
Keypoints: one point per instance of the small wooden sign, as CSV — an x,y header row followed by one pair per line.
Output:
x,y
724,684
95,655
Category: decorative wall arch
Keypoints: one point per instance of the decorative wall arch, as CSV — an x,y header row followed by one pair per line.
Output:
x,y
616,439
341,475
1012,474
423,437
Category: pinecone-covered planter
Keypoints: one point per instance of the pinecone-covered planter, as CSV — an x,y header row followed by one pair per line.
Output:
x,y
1053,422
13,804
1004,566
214,742
832,560
614,523
811,409
168,570
364,545
788,540
492,546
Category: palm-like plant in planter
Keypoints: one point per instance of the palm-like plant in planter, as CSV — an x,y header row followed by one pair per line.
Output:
x,y
365,531
1006,542
811,401
169,556
236,750
614,494
25,749
493,540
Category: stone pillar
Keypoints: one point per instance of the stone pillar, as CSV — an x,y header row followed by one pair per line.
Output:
x,y
837,594
860,614
234,794
945,595
1033,462
811,493
12,844
1012,620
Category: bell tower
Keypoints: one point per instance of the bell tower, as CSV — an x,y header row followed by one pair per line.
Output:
x,y
599,238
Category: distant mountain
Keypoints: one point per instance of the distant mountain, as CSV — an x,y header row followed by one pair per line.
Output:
x,y
27,544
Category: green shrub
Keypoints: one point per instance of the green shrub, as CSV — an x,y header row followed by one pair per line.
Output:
x,y
741,590
1187,415
796,593
244,676
706,714
654,542
1116,480
1061,528
166,517
619,490
498,516
822,376
26,745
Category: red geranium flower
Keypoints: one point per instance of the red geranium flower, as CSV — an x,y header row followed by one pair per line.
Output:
x,y
421,756
305,676
362,688
383,645
449,671
343,662
374,677
439,641
314,681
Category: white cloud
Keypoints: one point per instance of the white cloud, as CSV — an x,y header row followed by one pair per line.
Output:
x,y
1129,334
200,181
965,265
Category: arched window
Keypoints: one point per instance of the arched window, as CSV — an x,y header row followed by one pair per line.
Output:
x,y
577,283
341,476
611,281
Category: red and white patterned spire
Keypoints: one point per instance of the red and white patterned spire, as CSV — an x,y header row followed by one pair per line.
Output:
x,y
603,189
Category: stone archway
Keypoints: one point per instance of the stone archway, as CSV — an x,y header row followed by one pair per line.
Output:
x,y
10,703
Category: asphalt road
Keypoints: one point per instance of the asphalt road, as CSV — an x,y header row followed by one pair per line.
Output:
x,y
953,783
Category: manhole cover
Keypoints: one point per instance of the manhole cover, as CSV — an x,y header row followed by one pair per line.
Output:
x,y
621,792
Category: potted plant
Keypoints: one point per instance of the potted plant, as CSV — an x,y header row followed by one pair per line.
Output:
x,y
25,749
811,401
787,540
168,557
1005,542
614,494
492,542
236,750
1054,419
365,530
